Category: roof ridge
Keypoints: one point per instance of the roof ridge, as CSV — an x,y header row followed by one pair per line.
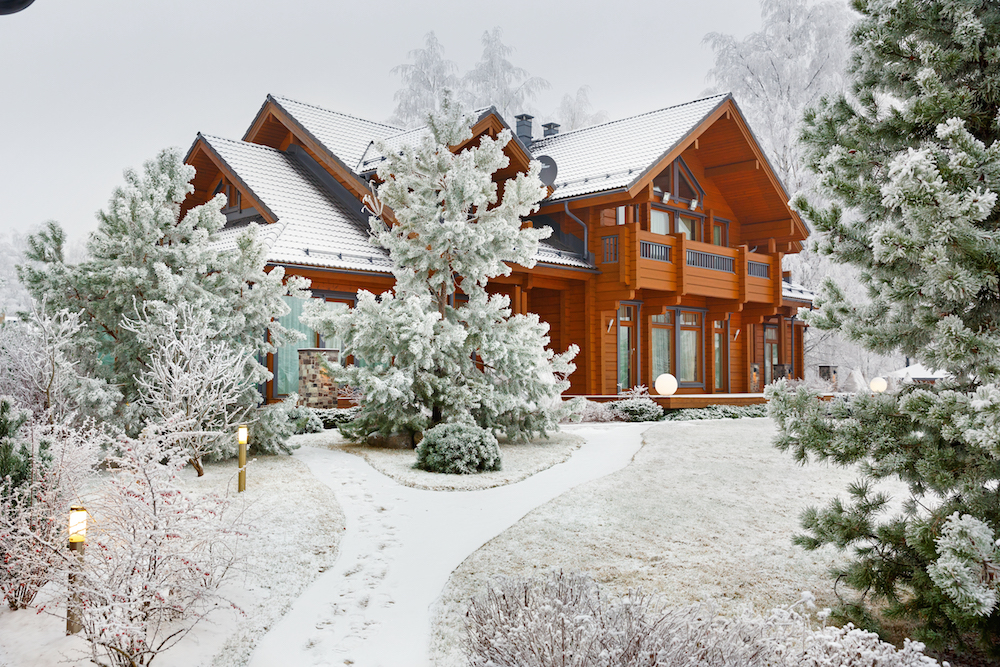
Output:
x,y
622,120
338,113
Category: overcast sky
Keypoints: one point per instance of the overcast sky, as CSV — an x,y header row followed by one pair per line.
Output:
x,y
90,87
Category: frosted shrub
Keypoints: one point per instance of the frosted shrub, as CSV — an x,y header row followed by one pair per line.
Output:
x,y
305,420
639,409
716,412
334,417
564,621
458,448
591,411
272,426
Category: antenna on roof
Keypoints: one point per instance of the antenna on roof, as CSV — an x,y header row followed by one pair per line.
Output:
x,y
549,170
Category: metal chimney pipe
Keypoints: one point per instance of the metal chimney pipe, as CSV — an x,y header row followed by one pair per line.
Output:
x,y
524,128
551,129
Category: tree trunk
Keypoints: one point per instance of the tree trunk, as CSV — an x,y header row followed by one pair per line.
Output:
x,y
196,464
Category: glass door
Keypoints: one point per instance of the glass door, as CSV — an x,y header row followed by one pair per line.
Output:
x,y
627,366
770,353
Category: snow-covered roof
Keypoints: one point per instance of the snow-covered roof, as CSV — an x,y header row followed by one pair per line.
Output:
x,y
313,228
918,372
616,154
345,136
796,292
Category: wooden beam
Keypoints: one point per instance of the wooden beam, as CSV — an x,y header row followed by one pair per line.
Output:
x,y
733,168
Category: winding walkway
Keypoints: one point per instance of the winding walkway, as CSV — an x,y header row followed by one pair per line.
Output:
x,y
373,607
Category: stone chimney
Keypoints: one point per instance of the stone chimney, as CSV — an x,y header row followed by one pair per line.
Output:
x,y
524,128
551,129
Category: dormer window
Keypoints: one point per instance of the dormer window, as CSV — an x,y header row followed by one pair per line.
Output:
x,y
679,184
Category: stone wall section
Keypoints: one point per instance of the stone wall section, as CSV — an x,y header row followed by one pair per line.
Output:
x,y
316,388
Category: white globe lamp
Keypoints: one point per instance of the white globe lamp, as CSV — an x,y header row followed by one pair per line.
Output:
x,y
665,385
878,385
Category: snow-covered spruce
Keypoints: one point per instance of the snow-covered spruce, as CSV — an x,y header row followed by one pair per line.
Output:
x,y
427,360
458,449
912,163
564,620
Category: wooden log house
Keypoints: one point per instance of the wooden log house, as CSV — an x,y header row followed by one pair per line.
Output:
x,y
668,234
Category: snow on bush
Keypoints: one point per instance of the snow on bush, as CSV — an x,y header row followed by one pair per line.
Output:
x,y
716,412
458,449
642,409
272,426
305,420
155,557
563,620
195,379
334,417
44,467
590,411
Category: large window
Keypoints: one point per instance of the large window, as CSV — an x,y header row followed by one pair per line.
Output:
x,y
689,347
286,358
688,227
662,343
676,183
659,221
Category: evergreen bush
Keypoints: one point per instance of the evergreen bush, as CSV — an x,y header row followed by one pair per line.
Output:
x,y
716,412
458,448
334,417
271,428
305,420
638,409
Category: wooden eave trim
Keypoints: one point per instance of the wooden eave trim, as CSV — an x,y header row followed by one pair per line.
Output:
x,y
223,166
765,166
682,145
306,138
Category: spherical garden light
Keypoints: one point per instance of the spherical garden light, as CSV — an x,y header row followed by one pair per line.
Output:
x,y
665,385
878,385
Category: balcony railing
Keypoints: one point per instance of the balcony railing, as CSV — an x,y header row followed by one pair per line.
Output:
x,y
707,260
758,269
610,244
656,251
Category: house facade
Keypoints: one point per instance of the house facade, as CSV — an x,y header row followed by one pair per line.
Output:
x,y
669,230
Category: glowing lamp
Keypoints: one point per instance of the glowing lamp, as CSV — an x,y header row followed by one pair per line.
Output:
x,y
241,434
878,385
665,384
77,524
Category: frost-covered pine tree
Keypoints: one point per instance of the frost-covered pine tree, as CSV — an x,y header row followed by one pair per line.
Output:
x,y
428,356
144,253
913,164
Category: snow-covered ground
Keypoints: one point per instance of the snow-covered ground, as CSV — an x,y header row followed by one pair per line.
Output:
x,y
297,527
705,512
373,608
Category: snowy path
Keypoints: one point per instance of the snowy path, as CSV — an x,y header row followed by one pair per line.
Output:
x,y
373,608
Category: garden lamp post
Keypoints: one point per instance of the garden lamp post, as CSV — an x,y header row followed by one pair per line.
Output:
x,y
77,542
241,437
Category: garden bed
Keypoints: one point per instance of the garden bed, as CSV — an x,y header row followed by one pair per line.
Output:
x,y
519,461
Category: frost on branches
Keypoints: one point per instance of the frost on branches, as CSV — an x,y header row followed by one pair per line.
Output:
x,y
913,163
145,254
428,357
155,555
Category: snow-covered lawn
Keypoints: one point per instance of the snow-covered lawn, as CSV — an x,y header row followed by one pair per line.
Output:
x,y
297,527
706,511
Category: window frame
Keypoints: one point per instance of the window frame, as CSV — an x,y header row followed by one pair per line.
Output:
x,y
675,352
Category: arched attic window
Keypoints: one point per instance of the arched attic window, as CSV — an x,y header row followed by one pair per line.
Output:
x,y
677,184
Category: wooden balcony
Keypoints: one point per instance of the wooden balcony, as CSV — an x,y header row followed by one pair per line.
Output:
x,y
671,263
